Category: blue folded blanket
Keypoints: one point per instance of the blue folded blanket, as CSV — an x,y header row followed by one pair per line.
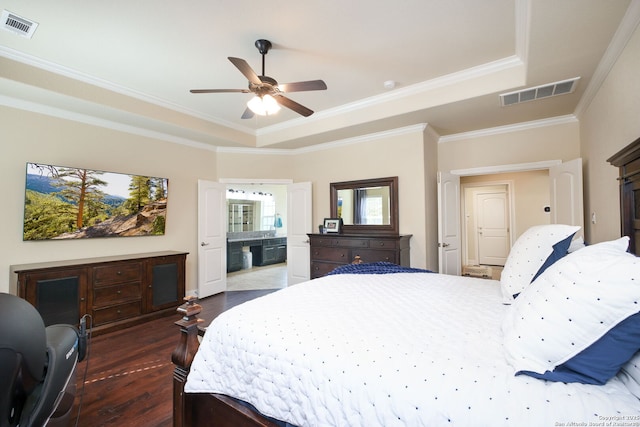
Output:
x,y
375,268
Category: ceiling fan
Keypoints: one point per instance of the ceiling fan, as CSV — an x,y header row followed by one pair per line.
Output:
x,y
269,94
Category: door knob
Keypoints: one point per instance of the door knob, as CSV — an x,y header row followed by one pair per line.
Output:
x,y
204,244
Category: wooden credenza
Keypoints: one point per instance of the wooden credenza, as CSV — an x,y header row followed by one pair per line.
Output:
x,y
117,291
330,251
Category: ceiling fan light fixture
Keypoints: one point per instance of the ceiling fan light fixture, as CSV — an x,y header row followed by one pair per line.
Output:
x,y
265,105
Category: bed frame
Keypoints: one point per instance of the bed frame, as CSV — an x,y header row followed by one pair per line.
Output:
x,y
203,409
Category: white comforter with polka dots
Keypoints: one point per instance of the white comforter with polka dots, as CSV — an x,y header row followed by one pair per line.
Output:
x,y
409,349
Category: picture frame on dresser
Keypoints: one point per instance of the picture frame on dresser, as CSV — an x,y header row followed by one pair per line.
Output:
x,y
333,225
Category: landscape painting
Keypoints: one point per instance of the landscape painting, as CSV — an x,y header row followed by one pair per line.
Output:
x,y
72,203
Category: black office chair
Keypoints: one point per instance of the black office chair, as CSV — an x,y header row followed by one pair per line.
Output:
x,y
37,365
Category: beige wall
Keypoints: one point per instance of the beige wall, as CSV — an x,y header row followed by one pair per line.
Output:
x,y
29,137
557,142
609,123
430,216
399,154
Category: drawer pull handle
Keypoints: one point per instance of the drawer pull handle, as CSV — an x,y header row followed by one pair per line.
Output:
x,y
119,292
381,243
119,273
119,312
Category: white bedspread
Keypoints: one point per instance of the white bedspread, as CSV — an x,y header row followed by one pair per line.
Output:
x,y
407,349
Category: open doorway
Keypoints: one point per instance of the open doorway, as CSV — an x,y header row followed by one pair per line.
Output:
x,y
548,192
496,209
256,233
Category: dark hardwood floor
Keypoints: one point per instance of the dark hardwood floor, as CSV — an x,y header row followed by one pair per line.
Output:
x,y
128,375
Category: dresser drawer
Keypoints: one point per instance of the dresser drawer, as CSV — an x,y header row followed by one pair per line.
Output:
x,y
117,312
319,269
370,255
117,273
383,244
352,243
330,254
329,251
321,241
109,295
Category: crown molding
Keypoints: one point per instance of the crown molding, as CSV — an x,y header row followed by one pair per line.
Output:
x,y
516,167
47,110
398,94
328,145
553,121
523,30
623,34
52,67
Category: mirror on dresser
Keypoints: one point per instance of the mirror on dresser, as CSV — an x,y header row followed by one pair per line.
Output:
x,y
368,206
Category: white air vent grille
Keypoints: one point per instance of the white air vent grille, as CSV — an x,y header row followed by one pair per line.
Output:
x,y
539,92
18,25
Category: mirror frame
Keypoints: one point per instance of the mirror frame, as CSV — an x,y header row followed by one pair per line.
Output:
x,y
392,182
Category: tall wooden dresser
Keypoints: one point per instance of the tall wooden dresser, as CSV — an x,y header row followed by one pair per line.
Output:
x,y
329,251
628,162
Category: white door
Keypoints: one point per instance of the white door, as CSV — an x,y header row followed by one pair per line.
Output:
x,y
492,210
449,260
212,238
299,214
565,182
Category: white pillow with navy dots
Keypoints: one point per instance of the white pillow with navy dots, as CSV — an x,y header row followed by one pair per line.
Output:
x,y
528,256
572,306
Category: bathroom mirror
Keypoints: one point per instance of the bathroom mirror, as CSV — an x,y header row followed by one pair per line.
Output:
x,y
366,206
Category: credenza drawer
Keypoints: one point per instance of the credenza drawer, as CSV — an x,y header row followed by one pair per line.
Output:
x,y
330,254
117,273
117,312
109,295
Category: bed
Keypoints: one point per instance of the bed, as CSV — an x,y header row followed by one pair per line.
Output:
x,y
414,348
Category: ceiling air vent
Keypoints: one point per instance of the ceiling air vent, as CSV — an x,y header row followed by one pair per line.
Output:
x,y
539,92
18,25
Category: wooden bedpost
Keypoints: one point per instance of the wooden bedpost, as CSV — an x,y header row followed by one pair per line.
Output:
x,y
182,357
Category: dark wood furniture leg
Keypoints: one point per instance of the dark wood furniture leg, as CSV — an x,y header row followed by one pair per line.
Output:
x,y
182,357
200,409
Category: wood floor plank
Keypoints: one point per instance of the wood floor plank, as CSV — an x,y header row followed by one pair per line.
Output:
x,y
128,375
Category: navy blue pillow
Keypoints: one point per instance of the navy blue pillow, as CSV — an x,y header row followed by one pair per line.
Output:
x,y
560,250
601,360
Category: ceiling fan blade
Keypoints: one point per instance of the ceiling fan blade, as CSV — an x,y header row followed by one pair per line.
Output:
x,y
245,69
219,90
248,114
293,105
303,86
